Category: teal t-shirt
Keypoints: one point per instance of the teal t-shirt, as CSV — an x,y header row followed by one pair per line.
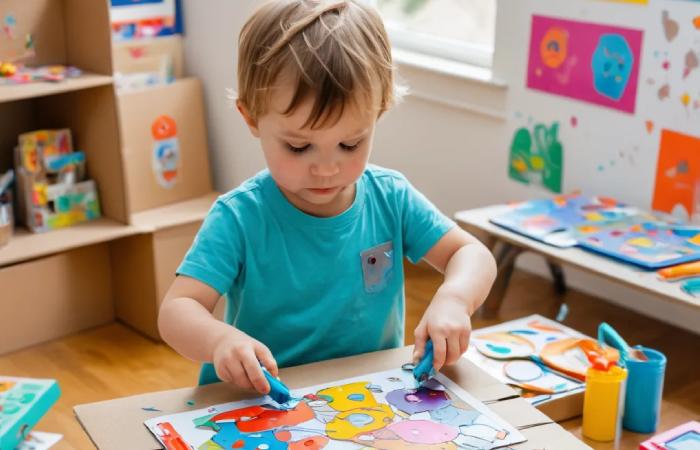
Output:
x,y
314,288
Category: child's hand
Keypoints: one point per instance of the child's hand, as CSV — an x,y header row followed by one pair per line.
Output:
x,y
236,357
447,323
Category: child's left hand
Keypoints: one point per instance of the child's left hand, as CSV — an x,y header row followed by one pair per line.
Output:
x,y
447,323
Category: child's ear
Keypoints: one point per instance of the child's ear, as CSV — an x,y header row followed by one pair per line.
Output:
x,y
252,124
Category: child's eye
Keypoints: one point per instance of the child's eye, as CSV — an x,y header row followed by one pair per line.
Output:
x,y
294,149
349,148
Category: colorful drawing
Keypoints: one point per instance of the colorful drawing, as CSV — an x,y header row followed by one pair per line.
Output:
x,y
562,220
350,414
591,62
537,157
166,151
649,245
510,352
677,187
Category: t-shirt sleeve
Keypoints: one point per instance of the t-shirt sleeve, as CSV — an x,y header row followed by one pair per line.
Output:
x,y
216,255
422,223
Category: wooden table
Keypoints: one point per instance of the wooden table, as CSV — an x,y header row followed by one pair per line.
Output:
x,y
118,424
507,245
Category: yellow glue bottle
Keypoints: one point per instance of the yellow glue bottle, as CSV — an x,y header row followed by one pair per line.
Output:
x,y
604,400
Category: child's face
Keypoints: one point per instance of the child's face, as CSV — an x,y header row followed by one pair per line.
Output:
x,y
316,169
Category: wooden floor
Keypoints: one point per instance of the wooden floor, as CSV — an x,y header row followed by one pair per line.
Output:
x,y
113,361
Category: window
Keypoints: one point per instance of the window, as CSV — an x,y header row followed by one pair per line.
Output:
x,y
459,30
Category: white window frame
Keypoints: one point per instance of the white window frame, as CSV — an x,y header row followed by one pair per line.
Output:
x,y
436,46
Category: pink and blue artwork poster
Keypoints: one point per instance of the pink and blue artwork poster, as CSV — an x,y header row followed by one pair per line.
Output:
x,y
591,62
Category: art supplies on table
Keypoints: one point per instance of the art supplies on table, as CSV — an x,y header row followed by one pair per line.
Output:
x,y
53,191
682,437
604,400
23,401
379,410
680,271
541,358
645,381
648,245
604,226
562,220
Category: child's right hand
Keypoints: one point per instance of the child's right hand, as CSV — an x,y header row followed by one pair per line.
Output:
x,y
236,357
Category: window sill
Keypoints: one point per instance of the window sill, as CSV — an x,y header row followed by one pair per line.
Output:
x,y
451,83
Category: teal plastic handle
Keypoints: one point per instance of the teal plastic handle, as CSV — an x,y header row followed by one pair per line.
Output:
x,y
608,335
424,369
279,392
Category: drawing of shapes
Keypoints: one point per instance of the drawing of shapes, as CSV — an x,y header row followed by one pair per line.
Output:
x,y
323,412
695,240
412,401
423,431
451,415
388,440
522,371
257,418
209,445
348,424
671,27
501,345
520,151
537,325
677,173
612,65
601,67
554,47
480,435
310,443
349,396
230,437
643,242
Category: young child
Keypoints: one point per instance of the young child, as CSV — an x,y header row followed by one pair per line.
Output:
x,y
309,253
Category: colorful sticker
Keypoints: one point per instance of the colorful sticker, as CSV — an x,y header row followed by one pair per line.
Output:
x,y
166,151
595,63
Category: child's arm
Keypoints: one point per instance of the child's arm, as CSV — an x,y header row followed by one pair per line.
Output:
x,y
186,323
469,270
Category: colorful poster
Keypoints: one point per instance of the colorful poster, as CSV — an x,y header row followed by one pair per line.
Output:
x,y
677,189
537,156
594,63
383,410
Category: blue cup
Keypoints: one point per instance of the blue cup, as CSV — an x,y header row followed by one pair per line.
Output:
x,y
645,382
645,385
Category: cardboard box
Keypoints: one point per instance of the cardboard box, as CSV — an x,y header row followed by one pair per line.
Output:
x,y
118,424
143,266
560,406
51,297
164,145
127,56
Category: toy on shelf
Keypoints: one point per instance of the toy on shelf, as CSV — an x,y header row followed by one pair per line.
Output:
x,y
23,401
6,215
53,192
11,73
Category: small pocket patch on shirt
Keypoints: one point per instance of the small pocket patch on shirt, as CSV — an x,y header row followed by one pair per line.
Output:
x,y
377,265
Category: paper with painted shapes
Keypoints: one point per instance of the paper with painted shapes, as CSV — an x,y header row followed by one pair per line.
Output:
x,y
591,62
382,410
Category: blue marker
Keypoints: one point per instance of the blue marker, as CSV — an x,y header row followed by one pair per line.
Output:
x,y
279,392
424,370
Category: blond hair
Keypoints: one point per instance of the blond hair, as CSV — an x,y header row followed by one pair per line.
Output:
x,y
336,51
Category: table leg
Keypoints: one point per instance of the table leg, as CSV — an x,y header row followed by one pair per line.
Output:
x,y
505,255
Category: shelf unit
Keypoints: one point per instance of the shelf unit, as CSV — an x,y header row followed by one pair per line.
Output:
x,y
63,281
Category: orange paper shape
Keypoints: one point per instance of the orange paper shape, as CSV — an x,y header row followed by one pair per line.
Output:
x,y
677,173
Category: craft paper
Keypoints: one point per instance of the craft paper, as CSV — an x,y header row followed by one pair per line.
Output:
x,y
677,189
590,62
382,410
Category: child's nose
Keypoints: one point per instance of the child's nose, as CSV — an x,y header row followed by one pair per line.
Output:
x,y
326,167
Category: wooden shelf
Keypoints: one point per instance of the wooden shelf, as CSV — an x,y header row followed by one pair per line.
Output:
x,y
25,245
175,214
9,93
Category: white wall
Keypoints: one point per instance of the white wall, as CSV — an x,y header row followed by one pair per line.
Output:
x,y
447,137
